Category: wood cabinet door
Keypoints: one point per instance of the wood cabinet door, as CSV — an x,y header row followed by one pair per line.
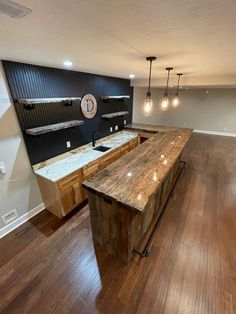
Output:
x,y
78,192
72,196
71,191
67,199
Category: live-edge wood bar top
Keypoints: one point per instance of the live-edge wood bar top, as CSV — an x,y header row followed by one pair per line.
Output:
x,y
151,128
133,179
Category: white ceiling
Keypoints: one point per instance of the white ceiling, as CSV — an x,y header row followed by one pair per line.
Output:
x,y
113,37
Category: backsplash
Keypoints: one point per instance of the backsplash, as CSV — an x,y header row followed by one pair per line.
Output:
x,y
31,81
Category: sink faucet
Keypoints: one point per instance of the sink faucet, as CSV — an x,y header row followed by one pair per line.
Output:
x,y
93,138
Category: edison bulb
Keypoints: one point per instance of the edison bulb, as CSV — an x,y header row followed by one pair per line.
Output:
x,y
164,104
147,107
175,102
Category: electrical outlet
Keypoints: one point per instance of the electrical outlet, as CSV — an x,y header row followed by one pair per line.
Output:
x,y
9,217
68,145
111,128
116,127
124,122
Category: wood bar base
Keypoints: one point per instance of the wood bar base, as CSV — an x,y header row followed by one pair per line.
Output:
x,y
122,231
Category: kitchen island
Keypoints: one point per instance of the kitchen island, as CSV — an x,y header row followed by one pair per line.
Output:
x,y
127,198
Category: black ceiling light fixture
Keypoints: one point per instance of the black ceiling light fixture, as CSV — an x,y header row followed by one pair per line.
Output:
x,y
165,99
148,103
175,102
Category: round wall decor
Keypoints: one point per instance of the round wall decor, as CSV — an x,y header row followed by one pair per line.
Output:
x,y
88,106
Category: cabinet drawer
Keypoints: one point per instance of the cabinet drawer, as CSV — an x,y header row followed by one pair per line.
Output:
x,y
90,170
72,196
124,149
109,158
133,143
112,155
69,180
107,162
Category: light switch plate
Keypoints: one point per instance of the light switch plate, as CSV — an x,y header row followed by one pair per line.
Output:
x,y
68,145
111,128
116,127
3,168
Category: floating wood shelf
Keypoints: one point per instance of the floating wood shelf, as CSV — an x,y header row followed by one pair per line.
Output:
x,y
107,98
53,127
34,101
30,102
114,114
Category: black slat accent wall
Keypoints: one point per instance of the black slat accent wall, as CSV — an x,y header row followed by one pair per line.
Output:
x,y
31,81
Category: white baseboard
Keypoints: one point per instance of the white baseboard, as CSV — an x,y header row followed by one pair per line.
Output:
x,y
215,133
19,221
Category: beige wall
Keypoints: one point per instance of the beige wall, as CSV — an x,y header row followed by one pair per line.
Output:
x,y
212,111
18,188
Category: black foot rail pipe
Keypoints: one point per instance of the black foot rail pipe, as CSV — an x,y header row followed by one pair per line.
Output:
x,y
145,252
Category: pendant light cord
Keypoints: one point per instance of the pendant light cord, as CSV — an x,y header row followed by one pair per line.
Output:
x,y
167,83
150,74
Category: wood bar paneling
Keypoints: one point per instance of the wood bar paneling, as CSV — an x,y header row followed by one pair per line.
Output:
x,y
118,230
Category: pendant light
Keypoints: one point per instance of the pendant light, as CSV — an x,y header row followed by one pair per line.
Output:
x,y
175,102
165,99
147,106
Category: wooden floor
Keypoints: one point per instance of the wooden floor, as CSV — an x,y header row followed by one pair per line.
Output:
x,y
49,266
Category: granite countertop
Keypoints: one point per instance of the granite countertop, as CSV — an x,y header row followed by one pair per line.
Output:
x,y
59,167
132,179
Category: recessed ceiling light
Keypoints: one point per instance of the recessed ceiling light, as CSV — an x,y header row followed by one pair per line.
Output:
x,y
67,63
131,76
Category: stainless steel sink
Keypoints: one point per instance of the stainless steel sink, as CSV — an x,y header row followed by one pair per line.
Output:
x,y
102,148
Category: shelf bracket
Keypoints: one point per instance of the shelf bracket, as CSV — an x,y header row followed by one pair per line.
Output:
x,y
29,106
